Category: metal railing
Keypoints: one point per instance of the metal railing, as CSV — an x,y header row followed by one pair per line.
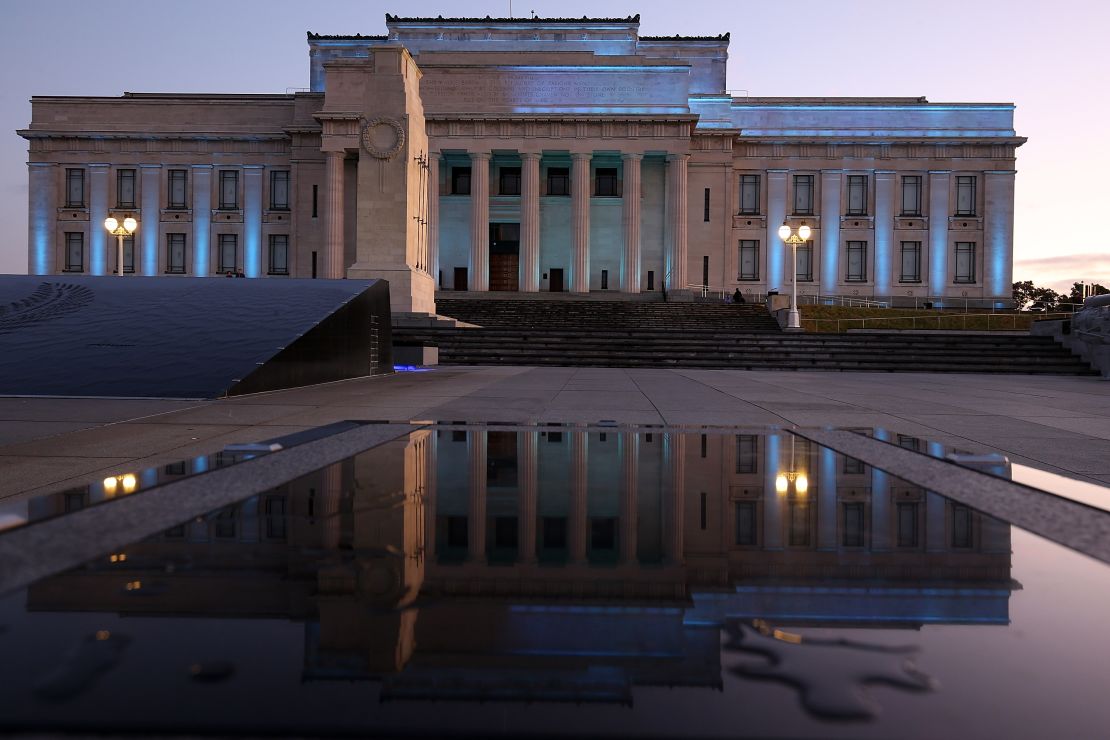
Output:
x,y
939,320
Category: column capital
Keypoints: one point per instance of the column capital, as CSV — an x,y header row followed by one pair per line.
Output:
x,y
42,164
530,155
631,155
581,156
202,166
150,167
678,157
104,165
481,155
884,173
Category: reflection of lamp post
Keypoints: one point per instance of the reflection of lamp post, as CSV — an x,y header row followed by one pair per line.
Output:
x,y
127,481
118,230
797,477
794,239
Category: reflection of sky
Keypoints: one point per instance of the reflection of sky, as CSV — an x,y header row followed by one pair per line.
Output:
x,y
1031,57
1077,490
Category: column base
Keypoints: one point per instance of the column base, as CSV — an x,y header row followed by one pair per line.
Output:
x,y
410,290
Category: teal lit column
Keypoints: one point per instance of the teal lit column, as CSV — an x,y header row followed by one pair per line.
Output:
x,y
577,517
826,500
630,470
98,211
476,449
630,224
884,231
880,503
41,217
938,232
772,500
252,220
528,494
202,217
830,230
580,221
776,214
998,232
149,217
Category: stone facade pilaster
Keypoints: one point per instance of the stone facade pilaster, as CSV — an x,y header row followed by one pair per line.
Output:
x,y
252,221
580,222
998,234
42,257
476,516
776,214
630,482
938,232
530,222
674,508
334,266
433,215
884,231
147,254
677,227
630,224
98,211
830,231
578,522
202,218
528,486
478,268
772,502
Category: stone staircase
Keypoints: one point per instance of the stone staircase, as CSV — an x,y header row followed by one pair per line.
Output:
x,y
723,336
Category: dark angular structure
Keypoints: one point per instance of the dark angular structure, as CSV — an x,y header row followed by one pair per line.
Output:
x,y
187,337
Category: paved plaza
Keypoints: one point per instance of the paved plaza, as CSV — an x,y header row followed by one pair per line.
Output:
x,y
1061,424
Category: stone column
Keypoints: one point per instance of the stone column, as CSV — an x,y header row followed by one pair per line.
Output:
x,y
776,214
580,222
151,190
252,221
630,479
827,509
676,228
674,451
329,509
433,216
830,231
530,222
476,517
431,482
938,232
202,218
773,502
884,231
528,487
334,263
880,503
630,224
577,519
478,272
42,214
998,234
98,211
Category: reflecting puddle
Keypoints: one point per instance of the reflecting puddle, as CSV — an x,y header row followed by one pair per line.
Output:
x,y
596,582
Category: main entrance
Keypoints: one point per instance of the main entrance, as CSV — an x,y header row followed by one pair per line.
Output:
x,y
504,256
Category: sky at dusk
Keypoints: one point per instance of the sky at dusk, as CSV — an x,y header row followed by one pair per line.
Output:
x,y
1050,58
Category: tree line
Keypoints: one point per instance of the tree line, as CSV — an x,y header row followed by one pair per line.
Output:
x,y
1028,296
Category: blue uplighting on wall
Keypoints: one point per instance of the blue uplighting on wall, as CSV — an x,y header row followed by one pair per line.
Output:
x,y
252,227
998,243
98,211
41,221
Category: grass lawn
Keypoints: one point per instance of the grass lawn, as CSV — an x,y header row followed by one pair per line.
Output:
x,y
843,318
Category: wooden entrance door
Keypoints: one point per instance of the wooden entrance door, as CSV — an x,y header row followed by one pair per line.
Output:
x,y
460,278
504,256
555,283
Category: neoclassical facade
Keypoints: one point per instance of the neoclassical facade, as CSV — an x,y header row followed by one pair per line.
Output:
x,y
530,155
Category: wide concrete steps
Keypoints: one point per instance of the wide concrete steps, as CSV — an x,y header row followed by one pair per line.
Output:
x,y
710,348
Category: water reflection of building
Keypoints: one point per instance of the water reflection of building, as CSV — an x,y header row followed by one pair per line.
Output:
x,y
561,563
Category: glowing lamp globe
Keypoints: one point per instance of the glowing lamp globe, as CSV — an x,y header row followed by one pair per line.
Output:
x,y
784,232
781,484
801,483
111,224
131,224
804,231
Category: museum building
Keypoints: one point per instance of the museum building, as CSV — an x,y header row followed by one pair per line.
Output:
x,y
530,155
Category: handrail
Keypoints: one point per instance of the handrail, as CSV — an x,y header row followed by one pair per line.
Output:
x,y
934,321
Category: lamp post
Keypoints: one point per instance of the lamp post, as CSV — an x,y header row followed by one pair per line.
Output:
x,y
796,477
789,236
118,230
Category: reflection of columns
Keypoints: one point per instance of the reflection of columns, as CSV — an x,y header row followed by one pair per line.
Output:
x,y
478,272
42,216
529,222
772,501
884,231
333,216
577,520
476,534
433,216
880,503
98,211
938,232
430,482
630,467
676,211
826,503
202,217
580,221
675,465
528,486
935,526
252,221
148,227
998,233
329,510
630,222
776,214
830,230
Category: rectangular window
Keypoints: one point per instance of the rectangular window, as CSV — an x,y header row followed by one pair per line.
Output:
x,y
705,214
229,189
803,195
911,262
651,280
746,531
749,259
125,188
799,512
856,262
747,454
605,182
279,190
175,254
749,194
460,181
961,527
805,262
852,530
852,466
965,195
604,279
276,523
75,251
907,525
857,195
128,254
75,188
228,254
558,181
279,254
911,195
965,262
177,185
509,178
315,201
907,442
704,510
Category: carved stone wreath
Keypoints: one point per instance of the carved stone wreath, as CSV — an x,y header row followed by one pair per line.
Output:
x,y
383,138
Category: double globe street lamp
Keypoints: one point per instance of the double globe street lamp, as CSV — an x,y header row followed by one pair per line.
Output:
x,y
789,236
120,230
